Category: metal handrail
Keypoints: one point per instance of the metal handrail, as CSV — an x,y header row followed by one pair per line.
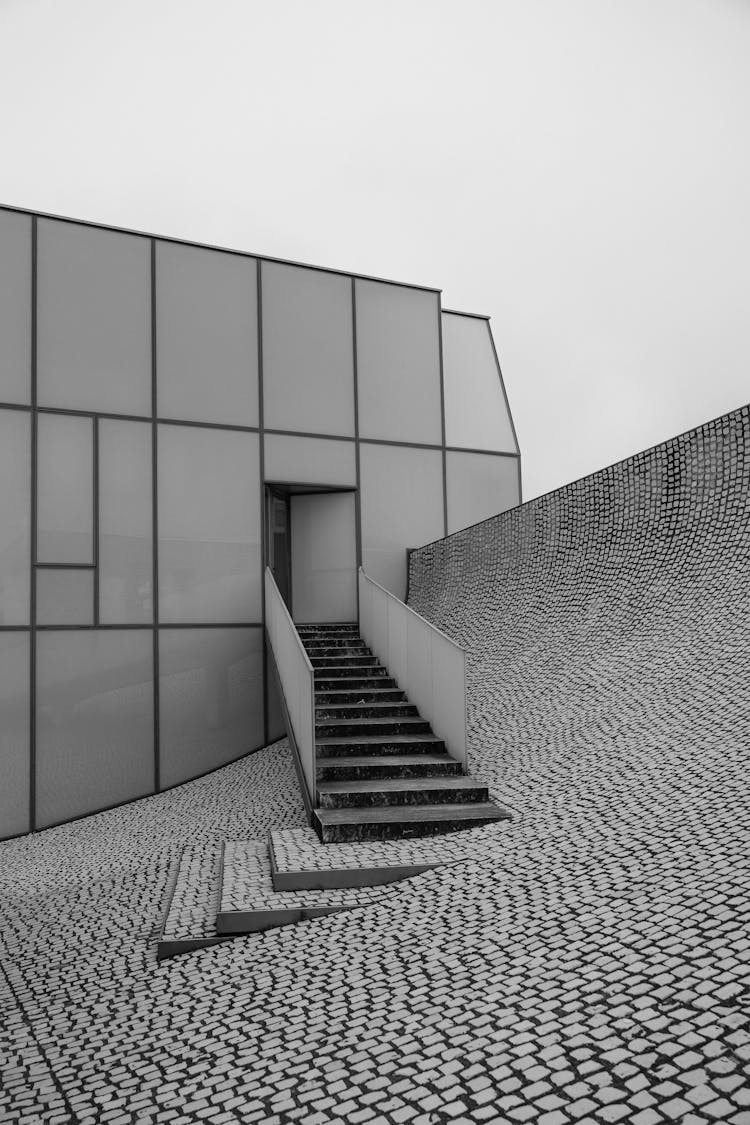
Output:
x,y
297,682
428,665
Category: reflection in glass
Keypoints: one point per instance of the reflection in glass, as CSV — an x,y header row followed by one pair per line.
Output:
x,y
65,489
93,319
14,733
125,528
303,460
476,413
206,335
210,699
94,725
64,597
308,366
15,478
398,363
479,486
15,307
209,525
402,506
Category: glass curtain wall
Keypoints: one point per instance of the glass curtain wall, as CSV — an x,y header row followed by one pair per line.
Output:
x,y
149,390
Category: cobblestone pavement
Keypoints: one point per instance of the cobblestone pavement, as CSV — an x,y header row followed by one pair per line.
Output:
x,y
593,967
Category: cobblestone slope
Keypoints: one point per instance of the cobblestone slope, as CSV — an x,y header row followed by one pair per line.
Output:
x,y
592,968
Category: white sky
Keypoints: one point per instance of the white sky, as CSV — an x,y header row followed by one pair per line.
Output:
x,y
578,169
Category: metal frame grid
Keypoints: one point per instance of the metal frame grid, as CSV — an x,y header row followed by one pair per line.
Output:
x,y
154,420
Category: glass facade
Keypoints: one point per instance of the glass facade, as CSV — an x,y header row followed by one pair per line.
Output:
x,y
15,307
15,517
476,410
398,363
308,356
95,720
93,319
207,335
210,699
479,486
150,393
209,526
402,507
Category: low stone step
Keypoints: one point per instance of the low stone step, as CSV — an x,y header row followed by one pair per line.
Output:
x,y
337,652
345,672
375,709
347,746
386,765
407,724
400,791
300,861
249,903
363,695
402,821
190,917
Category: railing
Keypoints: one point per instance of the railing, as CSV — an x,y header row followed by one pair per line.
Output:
x,y
297,682
429,667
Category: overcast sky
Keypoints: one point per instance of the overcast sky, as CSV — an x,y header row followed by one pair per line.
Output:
x,y
577,169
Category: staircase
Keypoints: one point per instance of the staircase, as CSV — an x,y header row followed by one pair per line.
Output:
x,y
381,772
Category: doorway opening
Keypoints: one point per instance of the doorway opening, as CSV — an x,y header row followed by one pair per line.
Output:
x,y
311,546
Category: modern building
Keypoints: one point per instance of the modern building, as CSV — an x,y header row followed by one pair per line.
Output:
x,y
172,418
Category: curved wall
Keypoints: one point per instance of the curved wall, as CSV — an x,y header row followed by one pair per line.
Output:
x,y
612,614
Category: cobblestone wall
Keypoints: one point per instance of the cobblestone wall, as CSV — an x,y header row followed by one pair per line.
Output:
x,y
612,609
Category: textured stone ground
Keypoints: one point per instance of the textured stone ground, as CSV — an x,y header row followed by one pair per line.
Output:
x,y
592,967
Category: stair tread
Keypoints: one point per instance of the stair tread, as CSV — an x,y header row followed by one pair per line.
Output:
x,y
375,739
410,814
398,784
362,760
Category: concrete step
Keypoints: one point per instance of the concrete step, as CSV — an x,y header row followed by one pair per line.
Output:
x,y
381,792
328,672
408,724
190,917
348,746
335,645
399,822
375,709
372,766
344,661
363,695
379,679
325,629
250,904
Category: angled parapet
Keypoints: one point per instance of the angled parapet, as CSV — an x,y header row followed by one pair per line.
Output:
x,y
483,459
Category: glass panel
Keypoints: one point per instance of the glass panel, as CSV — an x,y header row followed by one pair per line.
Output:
x,y
210,699
479,486
308,369
476,413
324,558
207,335
398,363
275,718
93,319
65,489
95,724
15,307
209,525
125,555
302,460
65,597
14,733
15,492
402,506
